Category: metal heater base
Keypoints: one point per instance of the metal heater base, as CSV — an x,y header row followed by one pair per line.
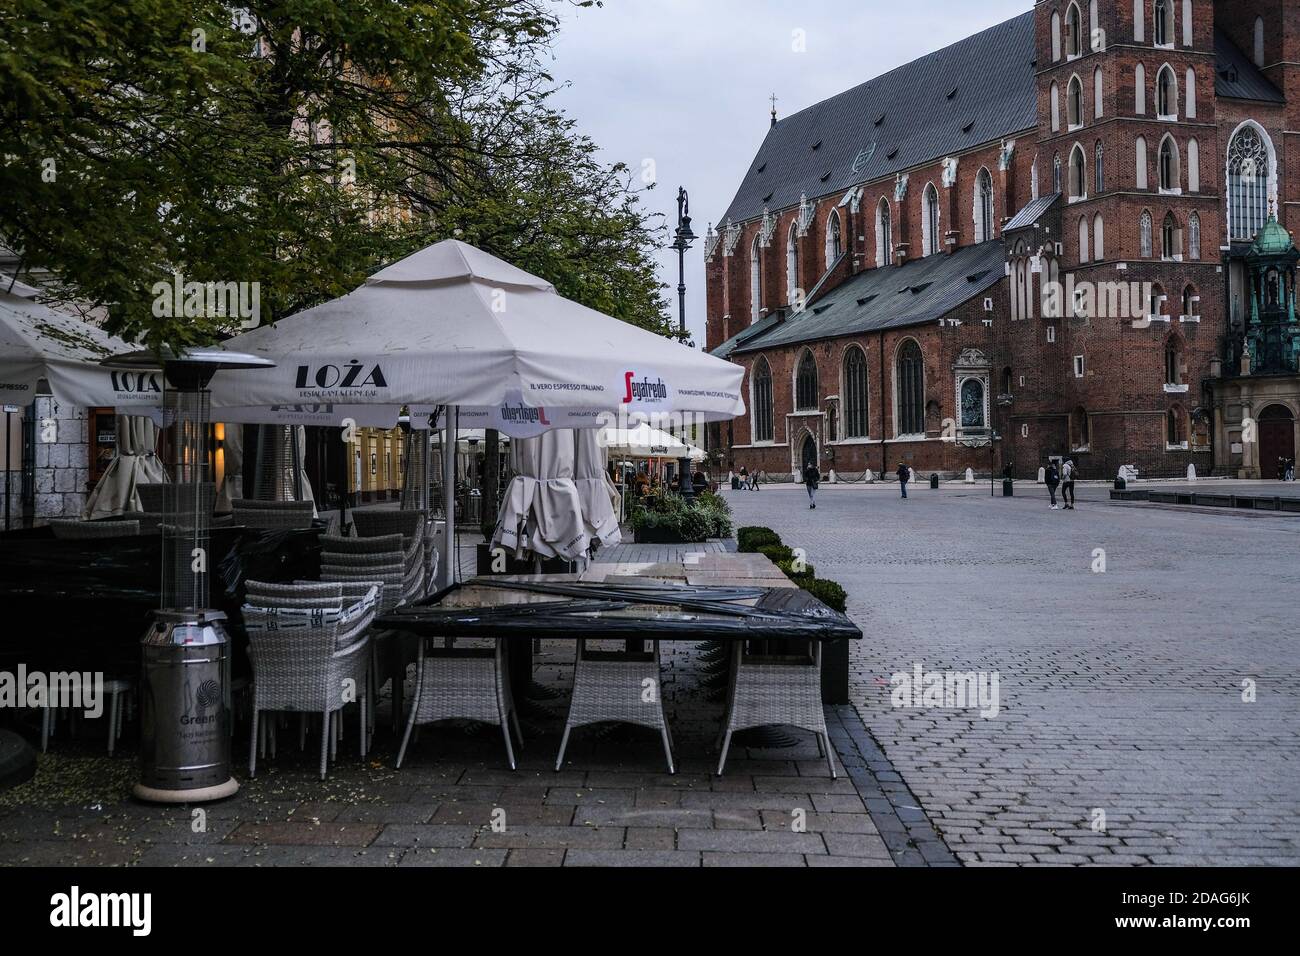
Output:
x,y
199,795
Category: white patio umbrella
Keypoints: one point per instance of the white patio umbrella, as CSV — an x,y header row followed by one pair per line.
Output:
x,y
39,343
646,442
453,326
134,461
595,491
542,512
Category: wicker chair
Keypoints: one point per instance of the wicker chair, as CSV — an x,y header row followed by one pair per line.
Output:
x,y
413,527
248,513
154,496
463,683
303,659
784,690
74,529
610,685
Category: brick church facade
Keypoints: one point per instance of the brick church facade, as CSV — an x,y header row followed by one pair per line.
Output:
x,y
1054,238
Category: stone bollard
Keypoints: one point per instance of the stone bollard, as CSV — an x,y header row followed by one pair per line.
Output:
x,y
970,476
1042,475
1191,472
833,479
869,478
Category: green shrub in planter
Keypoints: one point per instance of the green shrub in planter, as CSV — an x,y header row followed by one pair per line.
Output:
x,y
788,569
695,525
776,553
828,592
753,537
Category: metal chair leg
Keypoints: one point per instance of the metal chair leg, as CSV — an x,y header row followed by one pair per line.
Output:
x,y
47,728
830,757
113,704
668,748
252,747
726,745
564,743
324,742
415,705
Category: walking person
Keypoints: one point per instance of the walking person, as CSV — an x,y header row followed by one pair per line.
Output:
x,y
744,477
812,477
754,480
904,476
1053,478
1067,484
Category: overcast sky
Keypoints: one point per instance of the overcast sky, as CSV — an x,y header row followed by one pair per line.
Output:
x,y
686,84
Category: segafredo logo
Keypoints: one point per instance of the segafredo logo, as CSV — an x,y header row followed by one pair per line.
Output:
x,y
353,378
521,414
646,388
75,909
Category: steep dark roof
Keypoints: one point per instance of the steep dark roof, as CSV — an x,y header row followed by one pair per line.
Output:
x,y
760,327
1032,212
1237,75
889,297
973,92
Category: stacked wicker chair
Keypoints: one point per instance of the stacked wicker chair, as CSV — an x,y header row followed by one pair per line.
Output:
x,y
78,530
306,651
249,513
413,527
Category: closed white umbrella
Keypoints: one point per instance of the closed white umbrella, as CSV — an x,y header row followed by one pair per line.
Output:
x,y
595,491
541,512
134,461
646,442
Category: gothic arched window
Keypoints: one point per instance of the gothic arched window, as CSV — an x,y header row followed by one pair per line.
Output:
x,y
1194,237
1163,32
931,221
834,241
1166,93
791,266
855,393
909,390
1249,175
884,234
1074,102
755,281
1144,234
761,389
1073,32
805,383
1099,170
1078,174
984,207
1170,172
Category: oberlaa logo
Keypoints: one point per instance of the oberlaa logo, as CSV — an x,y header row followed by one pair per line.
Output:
x,y
644,388
521,414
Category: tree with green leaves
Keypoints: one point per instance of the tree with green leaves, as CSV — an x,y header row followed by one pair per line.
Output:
x,y
300,145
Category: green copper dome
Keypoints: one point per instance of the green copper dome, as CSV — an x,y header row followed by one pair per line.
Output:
x,y
1272,240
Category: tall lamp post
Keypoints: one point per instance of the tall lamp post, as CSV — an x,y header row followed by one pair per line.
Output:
x,y
682,239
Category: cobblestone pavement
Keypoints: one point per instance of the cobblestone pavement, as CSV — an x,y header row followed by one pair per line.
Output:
x,y
613,804
1121,693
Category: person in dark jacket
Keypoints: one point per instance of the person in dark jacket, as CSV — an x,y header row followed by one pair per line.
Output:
x,y
904,476
812,477
1053,478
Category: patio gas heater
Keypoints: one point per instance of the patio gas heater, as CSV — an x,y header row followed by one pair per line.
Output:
x,y
185,680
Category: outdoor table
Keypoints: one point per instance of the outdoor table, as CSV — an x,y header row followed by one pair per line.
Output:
x,y
524,608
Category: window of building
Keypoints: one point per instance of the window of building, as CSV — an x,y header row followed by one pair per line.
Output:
x,y
791,266
1055,93
909,390
1194,236
755,281
1078,366
1080,437
1187,23
1073,31
1163,30
1166,94
1259,42
1098,239
1078,174
1051,333
1191,302
1173,361
805,383
1249,182
1056,36
1098,93
931,219
1144,235
1191,93
1140,154
984,206
1056,173
1140,90
1171,238
1193,166
1099,170
1168,165
1157,304
972,404
1139,20
1074,103
1176,427
834,242
884,234
1094,23
1007,379
855,393
761,397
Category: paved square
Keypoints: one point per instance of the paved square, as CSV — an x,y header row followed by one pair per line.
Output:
x,y
1120,692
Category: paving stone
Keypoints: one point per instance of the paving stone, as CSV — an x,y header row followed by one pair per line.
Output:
x,y
305,834
631,857
543,837
451,856
753,859
750,841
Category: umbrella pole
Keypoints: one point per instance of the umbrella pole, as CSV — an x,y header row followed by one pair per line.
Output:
x,y
447,566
